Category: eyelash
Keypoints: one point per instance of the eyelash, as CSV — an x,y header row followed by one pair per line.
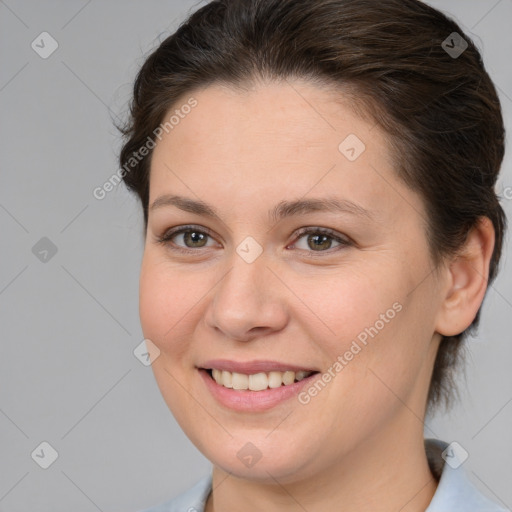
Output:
x,y
166,238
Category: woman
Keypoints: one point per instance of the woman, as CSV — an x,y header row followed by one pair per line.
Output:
x,y
317,181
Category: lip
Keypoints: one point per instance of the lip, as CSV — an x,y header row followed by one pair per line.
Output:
x,y
253,401
251,367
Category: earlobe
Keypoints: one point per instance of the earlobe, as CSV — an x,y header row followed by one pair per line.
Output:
x,y
468,273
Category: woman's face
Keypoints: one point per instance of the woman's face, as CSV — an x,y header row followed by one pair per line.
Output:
x,y
245,292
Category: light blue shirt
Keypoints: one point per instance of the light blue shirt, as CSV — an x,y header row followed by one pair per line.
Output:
x,y
454,493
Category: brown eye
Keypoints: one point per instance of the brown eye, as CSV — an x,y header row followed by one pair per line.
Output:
x,y
195,238
191,237
321,240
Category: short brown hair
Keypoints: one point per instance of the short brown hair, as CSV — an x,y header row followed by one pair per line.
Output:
x,y
440,110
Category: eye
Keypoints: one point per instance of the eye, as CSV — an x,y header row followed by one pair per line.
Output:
x,y
320,240
192,237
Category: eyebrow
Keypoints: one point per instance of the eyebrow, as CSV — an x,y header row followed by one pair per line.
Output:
x,y
280,211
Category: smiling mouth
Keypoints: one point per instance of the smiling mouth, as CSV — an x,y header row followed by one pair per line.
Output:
x,y
257,381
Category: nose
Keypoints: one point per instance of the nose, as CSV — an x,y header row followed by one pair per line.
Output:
x,y
248,302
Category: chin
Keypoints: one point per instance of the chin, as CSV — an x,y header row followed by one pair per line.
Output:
x,y
258,459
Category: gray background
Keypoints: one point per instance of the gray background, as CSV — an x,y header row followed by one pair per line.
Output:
x,y
69,325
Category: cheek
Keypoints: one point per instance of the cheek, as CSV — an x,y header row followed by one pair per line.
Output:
x,y
356,303
164,306
374,326
165,312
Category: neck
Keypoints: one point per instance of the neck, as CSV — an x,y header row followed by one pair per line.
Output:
x,y
385,474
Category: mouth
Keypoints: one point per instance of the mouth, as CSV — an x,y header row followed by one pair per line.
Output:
x,y
260,381
254,386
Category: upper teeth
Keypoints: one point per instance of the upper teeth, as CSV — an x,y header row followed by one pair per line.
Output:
x,y
257,381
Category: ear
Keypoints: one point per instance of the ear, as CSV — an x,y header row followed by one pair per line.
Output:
x,y
466,284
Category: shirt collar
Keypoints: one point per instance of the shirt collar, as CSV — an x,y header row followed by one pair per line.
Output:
x,y
455,492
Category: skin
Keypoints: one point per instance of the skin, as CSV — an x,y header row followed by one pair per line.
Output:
x,y
359,442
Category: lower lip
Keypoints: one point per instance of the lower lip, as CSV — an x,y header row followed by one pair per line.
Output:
x,y
246,400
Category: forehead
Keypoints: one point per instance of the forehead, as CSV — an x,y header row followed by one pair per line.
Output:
x,y
289,113
275,140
